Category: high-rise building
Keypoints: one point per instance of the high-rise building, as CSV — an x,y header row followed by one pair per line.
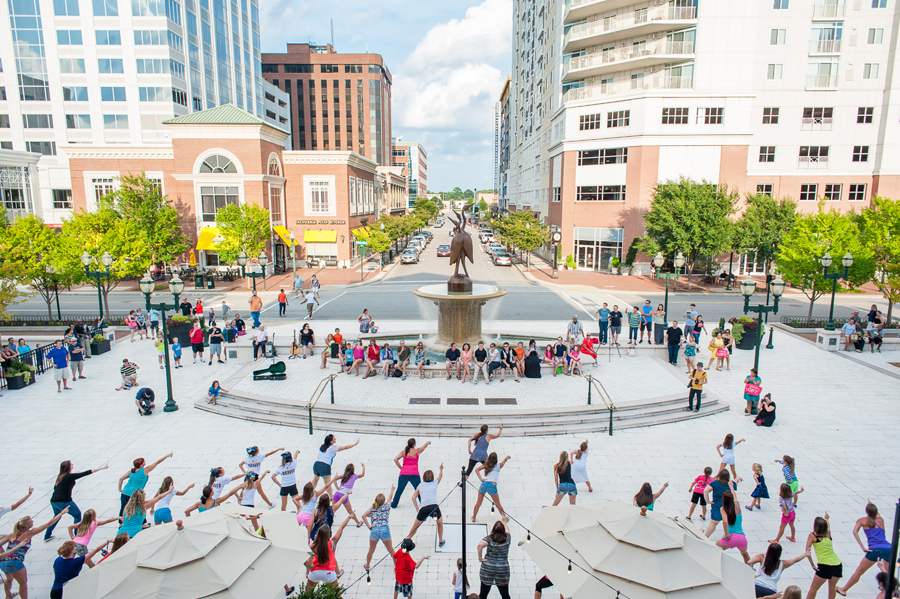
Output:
x,y
109,72
496,153
412,156
789,98
503,149
338,101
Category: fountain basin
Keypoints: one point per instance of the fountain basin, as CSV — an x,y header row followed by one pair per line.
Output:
x,y
459,314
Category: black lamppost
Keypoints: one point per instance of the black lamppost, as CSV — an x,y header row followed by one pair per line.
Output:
x,y
262,259
176,286
555,239
106,260
826,261
294,253
748,287
678,261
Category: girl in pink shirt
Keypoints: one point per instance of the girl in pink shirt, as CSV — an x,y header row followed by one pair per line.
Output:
x,y
697,488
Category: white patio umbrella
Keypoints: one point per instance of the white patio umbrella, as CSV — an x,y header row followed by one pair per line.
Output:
x,y
645,556
215,554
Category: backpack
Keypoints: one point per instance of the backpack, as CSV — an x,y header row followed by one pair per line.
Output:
x,y
397,373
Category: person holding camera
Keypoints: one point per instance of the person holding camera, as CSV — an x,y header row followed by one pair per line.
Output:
x,y
144,400
698,378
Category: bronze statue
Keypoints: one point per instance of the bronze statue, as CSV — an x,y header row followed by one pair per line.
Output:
x,y
460,248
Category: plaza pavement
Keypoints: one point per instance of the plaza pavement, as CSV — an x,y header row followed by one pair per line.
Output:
x,y
836,416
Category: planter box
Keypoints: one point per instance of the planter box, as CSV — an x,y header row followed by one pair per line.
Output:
x,y
18,381
100,348
181,331
748,341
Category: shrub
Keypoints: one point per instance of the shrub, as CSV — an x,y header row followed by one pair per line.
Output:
x,y
98,338
17,367
321,591
570,262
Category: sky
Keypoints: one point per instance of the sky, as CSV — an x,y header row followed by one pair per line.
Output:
x,y
449,60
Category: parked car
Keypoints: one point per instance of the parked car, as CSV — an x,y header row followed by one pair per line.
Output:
x,y
443,251
428,235
491,247
422,239
501,258
409,257
416,247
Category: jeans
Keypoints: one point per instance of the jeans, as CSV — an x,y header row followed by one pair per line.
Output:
x,y
697,393
604,326
255,317
486,589
59,506
258,348
282,308
632,333
405,479
673,354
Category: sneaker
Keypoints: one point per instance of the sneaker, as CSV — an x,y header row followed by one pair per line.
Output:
x,y
271,506
48,539
403,378
195,360
748,508
288,591
474,382
210,363
162,367
441,544
221,361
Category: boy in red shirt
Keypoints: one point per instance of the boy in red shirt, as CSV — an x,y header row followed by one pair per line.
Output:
x,y
404,568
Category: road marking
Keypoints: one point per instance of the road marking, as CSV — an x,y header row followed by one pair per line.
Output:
x,y
323,304
577,303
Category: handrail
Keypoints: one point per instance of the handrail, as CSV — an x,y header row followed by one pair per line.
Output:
x,y
604,395
317,395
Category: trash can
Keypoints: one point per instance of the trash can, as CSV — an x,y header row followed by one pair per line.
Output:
x,y
210,282
198,281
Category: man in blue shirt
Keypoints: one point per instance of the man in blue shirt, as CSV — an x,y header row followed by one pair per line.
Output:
x,y
847,330
145,401
76,357
690,317
154,320
646,321
60,357
603,316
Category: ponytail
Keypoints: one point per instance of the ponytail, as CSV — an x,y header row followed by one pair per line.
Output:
x,y
581,450
213,475
872,513
207,493
409,445
481,433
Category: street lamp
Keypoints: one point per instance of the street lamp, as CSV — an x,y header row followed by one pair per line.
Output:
x,y
106,260
826,262
294,253
382,253
678,261
262,259
176,286
555,238
748,287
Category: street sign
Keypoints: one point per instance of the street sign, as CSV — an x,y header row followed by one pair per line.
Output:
x,y
362,243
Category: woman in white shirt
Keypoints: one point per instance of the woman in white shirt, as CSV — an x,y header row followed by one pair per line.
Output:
x,y
427,493
489,474
327,451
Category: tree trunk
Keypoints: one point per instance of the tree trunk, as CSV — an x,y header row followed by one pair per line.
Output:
x,y
890,313
812,302
49,301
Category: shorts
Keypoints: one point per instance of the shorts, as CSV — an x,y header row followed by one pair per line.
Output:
x,y
80,549
648,326
488,488
828,572
728,459
309,308
162,515
762,591
542,584
322,469
380,533
197,348
289,490
76,366
567,488
735,541
715,513
876,554
215,348
698,498
794,485
404,589
11,566
305,342
303,519
322,576
61,374
791,516
615,329
426,511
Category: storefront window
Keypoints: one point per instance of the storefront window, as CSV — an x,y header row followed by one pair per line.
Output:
x,y
595,247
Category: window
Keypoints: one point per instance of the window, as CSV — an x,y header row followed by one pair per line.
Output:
x,y
115,121
269,68
37,121
2,93
78,121
149,37
809,193
777,37
864,115
6,145
71,65
879,3
110,65
817,119
102,186
46,148
601,193
75,94
296,68
175,40
353,68
870,70
781,4
274,167
65,8
770,116
833,192
674,116
112,94
218,164
710,116
618,118
4,121
176,68
860,153
319,193
214,199
152,94
765,189
62,199
767,153
774,71
146,8
876,36
179,96
557,194
106,8
68,37
812,156
857,192
275,202
604,156
108,37
151,65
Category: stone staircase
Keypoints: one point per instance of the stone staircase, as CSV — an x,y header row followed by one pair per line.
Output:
x,y
437,421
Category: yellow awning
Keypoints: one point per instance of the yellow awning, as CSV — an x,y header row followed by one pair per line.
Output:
x,y
361,233
283,233
320,237
207,239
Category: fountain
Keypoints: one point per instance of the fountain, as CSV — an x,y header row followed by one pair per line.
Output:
x,y
460,301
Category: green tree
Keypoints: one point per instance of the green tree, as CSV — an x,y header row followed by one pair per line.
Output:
x,y
483,206
139,199
522,230
763,225
104,231
689,217
425,209
812,237
880,228
33,253
244,228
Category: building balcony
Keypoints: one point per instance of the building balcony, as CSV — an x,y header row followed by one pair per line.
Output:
x,y
816,124
828,11
626,86
577,10
824,46
821,82
636,23
638,57
813,162
12,214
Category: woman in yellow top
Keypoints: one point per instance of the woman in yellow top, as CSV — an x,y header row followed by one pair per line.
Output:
x,y
714,346
829,567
